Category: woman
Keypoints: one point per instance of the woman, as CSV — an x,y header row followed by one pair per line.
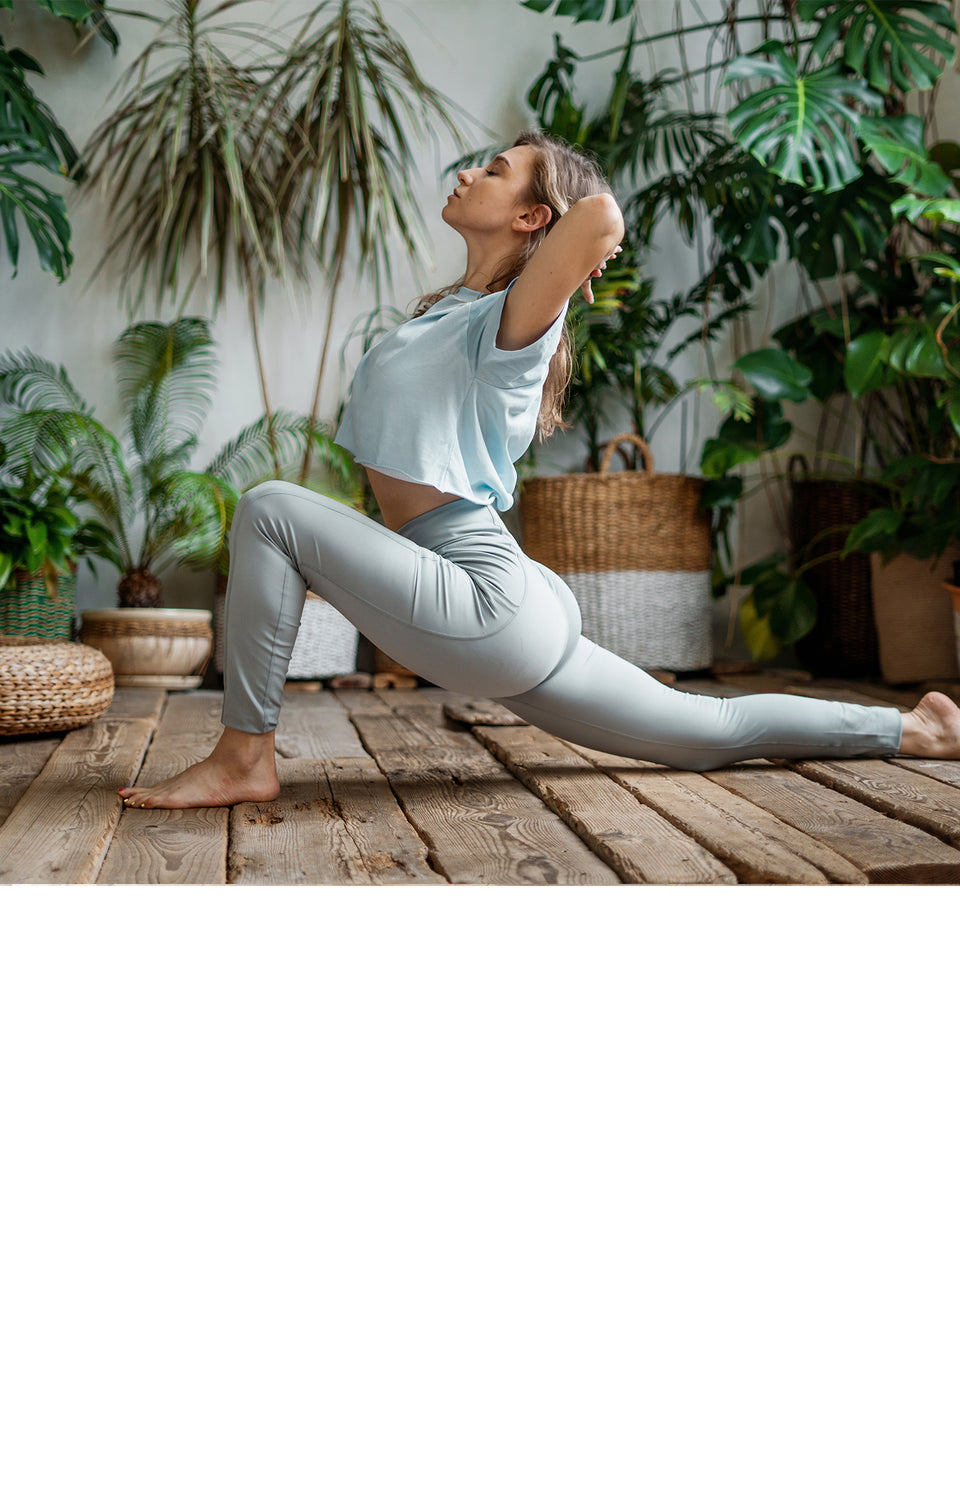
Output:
x,y
441,408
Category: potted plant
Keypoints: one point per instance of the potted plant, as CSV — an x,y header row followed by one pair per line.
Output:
x,y
41,539
153,508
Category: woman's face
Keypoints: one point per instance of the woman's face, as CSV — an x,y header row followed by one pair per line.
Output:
x,y
490,197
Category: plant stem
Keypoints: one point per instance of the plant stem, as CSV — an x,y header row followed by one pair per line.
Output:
x,y
337,274
255,328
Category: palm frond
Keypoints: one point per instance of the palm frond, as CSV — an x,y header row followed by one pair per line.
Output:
x,y
27,381
166,375
248,458
190,521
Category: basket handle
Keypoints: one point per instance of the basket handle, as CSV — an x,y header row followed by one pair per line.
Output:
x,y
634,439
792,465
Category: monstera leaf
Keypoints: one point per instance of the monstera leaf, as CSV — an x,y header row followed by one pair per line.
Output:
x,y
582,10
799,120
882,40
898,142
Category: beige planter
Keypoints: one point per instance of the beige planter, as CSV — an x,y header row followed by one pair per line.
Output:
x,y
914,619
161,648
955,600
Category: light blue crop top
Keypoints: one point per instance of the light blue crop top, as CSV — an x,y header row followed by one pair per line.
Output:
x,y
435,400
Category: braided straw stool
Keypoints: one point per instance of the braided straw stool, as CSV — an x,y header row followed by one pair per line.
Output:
x,y
51,687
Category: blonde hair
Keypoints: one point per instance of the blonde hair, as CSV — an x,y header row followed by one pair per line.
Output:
x,y
561,174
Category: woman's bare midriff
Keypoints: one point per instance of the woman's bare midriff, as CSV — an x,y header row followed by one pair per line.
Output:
x,y
401,501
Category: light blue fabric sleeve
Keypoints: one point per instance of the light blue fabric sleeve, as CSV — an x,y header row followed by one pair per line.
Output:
x,y
510,368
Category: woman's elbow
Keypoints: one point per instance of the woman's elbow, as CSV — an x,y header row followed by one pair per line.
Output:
x,y
608,215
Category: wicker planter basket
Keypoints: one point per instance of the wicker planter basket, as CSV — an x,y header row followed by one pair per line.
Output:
x,y
27,611
326,643
51,687
844,638
156,647
914,619
634,548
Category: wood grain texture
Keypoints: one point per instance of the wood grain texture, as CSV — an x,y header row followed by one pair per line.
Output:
x,y
60,829
944,773
480,824
480,712
335,821
316,726
883,849
909,797
21,759
173,846
637,842
753,843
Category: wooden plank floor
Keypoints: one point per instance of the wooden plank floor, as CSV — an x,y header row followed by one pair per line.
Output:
x,y
426,787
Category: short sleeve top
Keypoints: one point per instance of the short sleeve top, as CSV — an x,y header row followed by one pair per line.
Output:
x,y
437,402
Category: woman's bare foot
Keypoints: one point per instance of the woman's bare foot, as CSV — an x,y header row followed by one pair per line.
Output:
x,y
241,767
932,730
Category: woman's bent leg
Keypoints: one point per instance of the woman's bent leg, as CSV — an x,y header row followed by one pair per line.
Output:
x,y
284,539
599,700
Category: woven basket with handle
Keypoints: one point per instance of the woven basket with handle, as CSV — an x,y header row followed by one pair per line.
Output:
x,y
634,548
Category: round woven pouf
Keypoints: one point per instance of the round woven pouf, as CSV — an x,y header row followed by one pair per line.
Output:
x,y
51,687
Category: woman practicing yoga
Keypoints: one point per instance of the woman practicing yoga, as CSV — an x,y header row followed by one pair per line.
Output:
x,y
441,409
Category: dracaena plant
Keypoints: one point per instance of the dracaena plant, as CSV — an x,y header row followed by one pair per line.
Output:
x,y
155,509
266,168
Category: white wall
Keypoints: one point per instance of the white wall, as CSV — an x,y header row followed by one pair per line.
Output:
x,y
485,54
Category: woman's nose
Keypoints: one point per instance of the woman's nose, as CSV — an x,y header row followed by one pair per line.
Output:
x,y
463,177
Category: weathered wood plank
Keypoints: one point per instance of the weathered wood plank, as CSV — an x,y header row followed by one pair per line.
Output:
x,y
60,828
900,792
945,773
479,822
21,759
854,694
131,703
316,726
882,848
636,841
173,846
335,822
480,712
755,844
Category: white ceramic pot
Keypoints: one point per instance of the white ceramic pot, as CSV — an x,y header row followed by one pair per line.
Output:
x,y
162,648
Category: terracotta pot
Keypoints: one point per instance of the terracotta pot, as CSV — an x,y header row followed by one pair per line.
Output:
x,y
913,616
161,648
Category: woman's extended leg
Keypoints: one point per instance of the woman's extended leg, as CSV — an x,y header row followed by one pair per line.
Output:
x,y
599,700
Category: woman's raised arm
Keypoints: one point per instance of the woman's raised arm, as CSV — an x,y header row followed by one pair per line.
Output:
x,y
575,249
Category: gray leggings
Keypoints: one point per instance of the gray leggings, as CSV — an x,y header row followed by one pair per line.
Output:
x,y
453,597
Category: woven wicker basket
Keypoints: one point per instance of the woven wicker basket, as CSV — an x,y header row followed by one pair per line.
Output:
x,y
634,548
326,642
26,610
51,687
844,638
914,618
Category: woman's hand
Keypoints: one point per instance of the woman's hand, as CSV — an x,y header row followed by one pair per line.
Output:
x,y
585,286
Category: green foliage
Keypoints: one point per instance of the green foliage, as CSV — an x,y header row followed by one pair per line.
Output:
x,y
583,10
882,40
147,486
795,127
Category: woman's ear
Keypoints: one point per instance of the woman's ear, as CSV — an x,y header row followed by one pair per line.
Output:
x,y
535,218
